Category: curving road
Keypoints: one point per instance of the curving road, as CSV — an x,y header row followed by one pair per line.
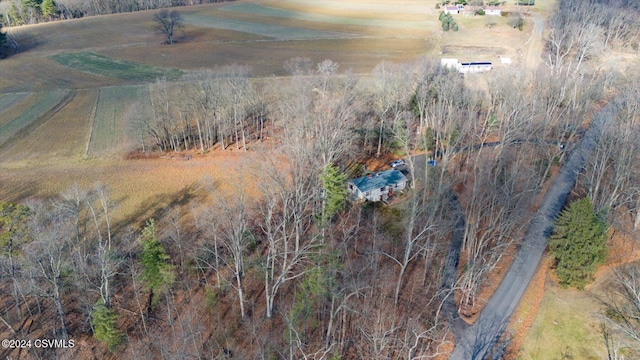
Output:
x,y
478,340
536,43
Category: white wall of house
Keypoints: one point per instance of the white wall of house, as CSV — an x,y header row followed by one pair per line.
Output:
x,y
378,193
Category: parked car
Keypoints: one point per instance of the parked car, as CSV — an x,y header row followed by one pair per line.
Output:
x,y
432,163
395,163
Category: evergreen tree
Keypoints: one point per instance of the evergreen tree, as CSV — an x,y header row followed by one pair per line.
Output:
x,y
103,322
335,192
157,273
578,244
3,36
48,8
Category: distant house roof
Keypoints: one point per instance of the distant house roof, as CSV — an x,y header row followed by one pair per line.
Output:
x,y
379,180
476,63
452,8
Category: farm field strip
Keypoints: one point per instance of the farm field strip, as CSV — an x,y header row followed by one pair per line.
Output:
x,y
389,7
60,139
102,65
279,32
44,102
117,110
261,10
7,101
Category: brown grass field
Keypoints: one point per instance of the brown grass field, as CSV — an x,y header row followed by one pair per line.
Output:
x,y
52,157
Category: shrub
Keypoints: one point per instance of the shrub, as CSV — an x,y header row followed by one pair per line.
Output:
x,y
480,12
103,322
445,26
455,27
516,21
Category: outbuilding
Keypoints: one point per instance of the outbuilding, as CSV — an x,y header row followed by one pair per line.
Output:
x,y
492,11
451,10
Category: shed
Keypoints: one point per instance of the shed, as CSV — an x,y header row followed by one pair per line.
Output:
x,y
451,10
492,10
377,186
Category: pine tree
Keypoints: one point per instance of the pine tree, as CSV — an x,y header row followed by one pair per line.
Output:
x,y
103,322
157,273
3,37
578,244
48,8
335,192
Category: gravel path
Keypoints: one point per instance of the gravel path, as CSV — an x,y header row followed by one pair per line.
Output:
x,y
478,340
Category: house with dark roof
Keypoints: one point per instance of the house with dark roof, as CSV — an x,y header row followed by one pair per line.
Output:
x,y
377,186
474,66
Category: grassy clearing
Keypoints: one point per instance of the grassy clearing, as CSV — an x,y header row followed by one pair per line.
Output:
x,y
117,110
30,112
102,65
9,100
565,326
270,30
260,10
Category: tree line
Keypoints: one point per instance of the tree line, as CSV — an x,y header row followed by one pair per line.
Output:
x,y
22,12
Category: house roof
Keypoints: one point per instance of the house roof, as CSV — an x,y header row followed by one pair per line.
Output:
x,y
453,8
379,180
476,63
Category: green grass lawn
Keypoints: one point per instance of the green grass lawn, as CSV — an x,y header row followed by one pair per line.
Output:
x,y
565,327
126,70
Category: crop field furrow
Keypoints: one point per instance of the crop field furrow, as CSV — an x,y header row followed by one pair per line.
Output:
x,y
46,106
118,109
270,30
7,101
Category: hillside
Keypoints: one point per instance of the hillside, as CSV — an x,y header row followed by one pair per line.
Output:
x,y
188,200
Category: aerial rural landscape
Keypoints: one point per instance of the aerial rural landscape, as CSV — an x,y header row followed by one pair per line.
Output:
x,y
300,179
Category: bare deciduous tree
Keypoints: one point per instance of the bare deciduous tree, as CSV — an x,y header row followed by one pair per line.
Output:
x,y
167,21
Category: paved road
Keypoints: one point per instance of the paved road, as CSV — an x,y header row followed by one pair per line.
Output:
x,y
478,340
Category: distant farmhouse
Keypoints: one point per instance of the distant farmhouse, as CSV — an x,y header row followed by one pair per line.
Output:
x,y
377,186
492,10
451,10
466,67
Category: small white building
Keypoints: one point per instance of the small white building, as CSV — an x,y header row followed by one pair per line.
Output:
x,y
492,11
474,67
466,67
449,63
451,10
377,186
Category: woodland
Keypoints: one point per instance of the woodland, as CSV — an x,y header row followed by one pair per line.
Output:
x,y
289,267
